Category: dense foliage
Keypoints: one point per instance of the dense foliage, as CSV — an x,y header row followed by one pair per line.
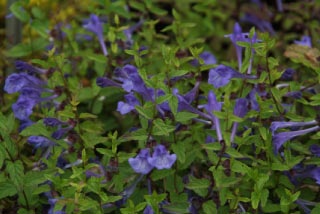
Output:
x,y
159,106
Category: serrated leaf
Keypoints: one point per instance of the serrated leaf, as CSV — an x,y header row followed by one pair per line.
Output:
x,y
19,12
33,178
180,150
177,73
160,128
147,110
180,208
41,189
140,134
19,50
279,167
41,27
173,103
7,189
234,153
185,116
96,57
209,207
195,183
212,146
160,174
36,129
237,166
15,170
87,116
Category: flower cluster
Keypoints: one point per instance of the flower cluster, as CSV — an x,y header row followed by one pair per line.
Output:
x,y
143,163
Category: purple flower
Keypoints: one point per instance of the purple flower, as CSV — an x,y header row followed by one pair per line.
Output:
x,y
207,57
52,202
24,124
22,109
315,149
279,125
148,210
15,82
50,121
214,105
305,41
24,66
294,94
287,75
280,138
31,93
235,37
240,110
95,25
129,105
128,32
161,159
140,163
39,141
253,100
279,5
241,107
262,24
184,104
133,81
315,174
221,76
106,82
58,134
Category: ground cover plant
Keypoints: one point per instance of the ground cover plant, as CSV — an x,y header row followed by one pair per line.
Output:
x,y
160,106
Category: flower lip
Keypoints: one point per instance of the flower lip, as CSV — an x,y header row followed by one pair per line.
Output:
x,y
161,159
140,163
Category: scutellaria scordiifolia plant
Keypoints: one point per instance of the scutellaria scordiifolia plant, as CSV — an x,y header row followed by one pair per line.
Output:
x,y
162,107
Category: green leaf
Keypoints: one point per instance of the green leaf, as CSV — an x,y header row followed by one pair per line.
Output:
x,y
7,189
177,73
209,207
41,27
180,208
255,199
195,183
96,57
279,166
154,200
160,174
173,103
160,128
16,171
36,129
237,166
315,210
212,146
87,116
41,189
33,178
140,134
264,197
234,153
147,110
19,12
180,150
19,50
185,116
3,154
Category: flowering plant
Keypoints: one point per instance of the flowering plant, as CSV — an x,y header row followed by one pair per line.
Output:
x,y
162,107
